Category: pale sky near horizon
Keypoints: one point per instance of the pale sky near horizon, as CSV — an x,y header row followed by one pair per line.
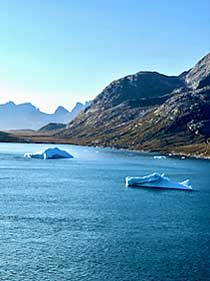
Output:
x,y
58,52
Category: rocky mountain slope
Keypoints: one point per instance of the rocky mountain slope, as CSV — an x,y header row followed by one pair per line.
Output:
x,y
184,119
149,111
199,75
122,101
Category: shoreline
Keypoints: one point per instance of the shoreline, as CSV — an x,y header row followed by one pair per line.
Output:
x,y
169,154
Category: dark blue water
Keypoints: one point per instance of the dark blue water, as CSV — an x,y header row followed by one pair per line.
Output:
x,y
75,220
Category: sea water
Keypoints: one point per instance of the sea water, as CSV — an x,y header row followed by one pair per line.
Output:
x,y
74,219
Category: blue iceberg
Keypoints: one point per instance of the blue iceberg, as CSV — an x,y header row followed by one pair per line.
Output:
x,y
156,180
50,153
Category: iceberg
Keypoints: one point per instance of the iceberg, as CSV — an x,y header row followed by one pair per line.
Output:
x,y
156,180
50,153
159,157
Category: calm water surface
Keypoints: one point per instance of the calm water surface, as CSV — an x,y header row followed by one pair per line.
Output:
x,y
74,219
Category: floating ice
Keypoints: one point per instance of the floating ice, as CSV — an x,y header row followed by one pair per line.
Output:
x,y
50,153
156,180
159,157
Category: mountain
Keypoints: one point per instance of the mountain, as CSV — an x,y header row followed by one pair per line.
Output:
x,y
141,87
27,116
78,108
61,111
122,101
149,111
52,127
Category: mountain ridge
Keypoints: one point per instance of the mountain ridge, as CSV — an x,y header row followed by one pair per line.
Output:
x,y
27,116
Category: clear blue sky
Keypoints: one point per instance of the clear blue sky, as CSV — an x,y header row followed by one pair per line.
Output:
x,y
56,52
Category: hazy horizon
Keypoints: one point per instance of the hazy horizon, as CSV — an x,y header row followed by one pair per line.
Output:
x,y
57,53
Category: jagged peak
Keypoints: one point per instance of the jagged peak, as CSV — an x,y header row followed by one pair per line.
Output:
x,y
61,110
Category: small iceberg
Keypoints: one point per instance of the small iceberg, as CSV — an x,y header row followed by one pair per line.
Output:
x,y
50,153
156,180
159,157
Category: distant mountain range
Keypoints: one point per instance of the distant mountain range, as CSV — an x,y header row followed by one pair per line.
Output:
x,y
27,116
149,111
